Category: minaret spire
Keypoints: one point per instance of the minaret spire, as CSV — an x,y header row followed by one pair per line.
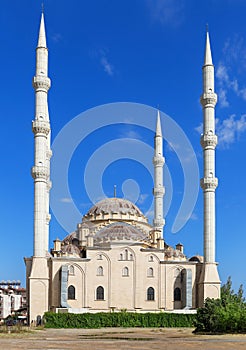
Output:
x,y
208,55
158,191
42,36
41,130
209,279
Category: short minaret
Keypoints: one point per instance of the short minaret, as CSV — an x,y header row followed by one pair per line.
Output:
x,y
158,190
209,278
42,153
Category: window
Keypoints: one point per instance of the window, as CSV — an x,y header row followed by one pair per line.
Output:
x,y
71,293
125,271
100,271
177,294
151,258
99,257
100,293
126,254
71,270
121,256
150,293
150,272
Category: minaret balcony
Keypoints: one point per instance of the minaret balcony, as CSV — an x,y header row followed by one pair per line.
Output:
x,y
158,191
208,141
40,172
158,161
41,83
208,99
209,183
158,223
40,127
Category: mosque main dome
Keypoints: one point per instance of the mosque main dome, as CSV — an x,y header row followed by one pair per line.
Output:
x,y
115,208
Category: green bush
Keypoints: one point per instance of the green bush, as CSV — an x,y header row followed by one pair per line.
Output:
x,y
117,319
225,315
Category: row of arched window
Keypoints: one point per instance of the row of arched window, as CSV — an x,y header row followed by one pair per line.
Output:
x,y
100,293
125,255
125,271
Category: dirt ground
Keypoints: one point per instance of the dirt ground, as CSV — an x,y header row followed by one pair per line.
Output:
x,y
120,338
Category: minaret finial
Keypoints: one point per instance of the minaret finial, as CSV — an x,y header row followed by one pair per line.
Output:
x,y
42,7
115,191
207,28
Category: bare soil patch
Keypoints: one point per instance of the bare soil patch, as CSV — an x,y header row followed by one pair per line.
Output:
x,y
119,338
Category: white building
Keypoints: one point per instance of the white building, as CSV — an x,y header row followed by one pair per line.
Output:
x,y
115,259
12,298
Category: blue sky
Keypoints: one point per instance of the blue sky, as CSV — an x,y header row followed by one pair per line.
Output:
x,y
147,52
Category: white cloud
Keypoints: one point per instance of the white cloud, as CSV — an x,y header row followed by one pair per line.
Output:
x,y
230,70
228,130
223,97
108,67
168,12
66,200
56,37
199,128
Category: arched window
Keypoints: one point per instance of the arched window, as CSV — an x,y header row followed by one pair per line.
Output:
x,y
150,293
177,294
125,271
100,271
71,293
131,257
150,272
71,270
126,254
99,257
100,293
121,256
151,258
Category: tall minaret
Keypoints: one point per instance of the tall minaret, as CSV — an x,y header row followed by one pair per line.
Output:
x,y
209,142
42,154
158,190
209,278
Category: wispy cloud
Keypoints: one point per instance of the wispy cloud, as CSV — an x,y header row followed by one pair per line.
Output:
x,y
226,84
66,200
56,37
100,55
167,12
230,70
108,67
228,130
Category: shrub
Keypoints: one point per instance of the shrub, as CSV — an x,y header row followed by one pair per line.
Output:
x,y
117,319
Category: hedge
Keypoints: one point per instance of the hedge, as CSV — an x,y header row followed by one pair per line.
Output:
x,y
117,319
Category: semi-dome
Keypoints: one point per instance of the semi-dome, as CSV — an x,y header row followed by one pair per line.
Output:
x,y
114,208
119,231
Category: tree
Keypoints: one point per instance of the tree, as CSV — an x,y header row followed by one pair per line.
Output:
x,y
225,315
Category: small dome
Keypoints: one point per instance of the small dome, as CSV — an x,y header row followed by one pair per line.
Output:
x,y
113,206
119,231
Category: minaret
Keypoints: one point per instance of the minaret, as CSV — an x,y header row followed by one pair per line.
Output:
x,y
209,182
158,190
42,153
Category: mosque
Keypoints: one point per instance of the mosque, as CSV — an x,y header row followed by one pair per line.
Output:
x,y
115,259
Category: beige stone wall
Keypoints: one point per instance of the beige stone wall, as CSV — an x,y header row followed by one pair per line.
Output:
x,y
125,272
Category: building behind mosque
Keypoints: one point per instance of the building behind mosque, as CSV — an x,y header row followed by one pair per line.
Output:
x,y
115,259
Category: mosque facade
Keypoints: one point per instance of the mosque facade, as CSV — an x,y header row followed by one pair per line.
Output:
x,y
115,259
